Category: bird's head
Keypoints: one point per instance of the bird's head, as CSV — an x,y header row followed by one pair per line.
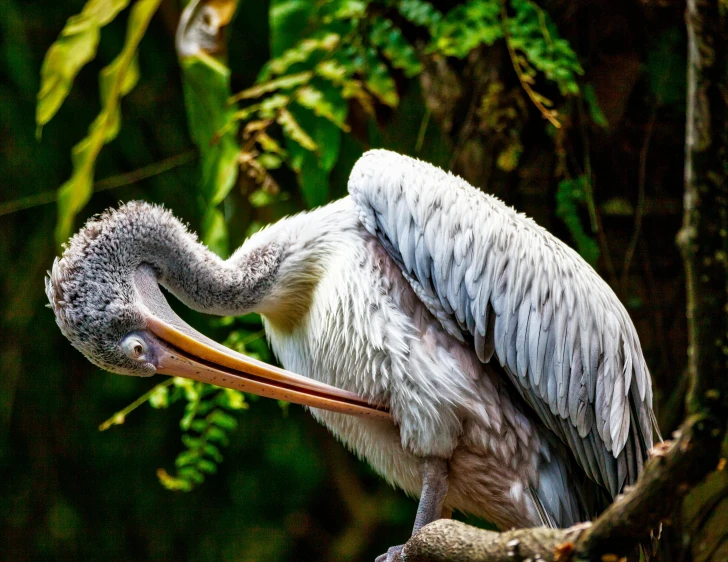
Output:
x,y
92,292
105,294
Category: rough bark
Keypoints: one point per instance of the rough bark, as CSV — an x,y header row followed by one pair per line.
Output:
x,y
678,466
704,236
674,469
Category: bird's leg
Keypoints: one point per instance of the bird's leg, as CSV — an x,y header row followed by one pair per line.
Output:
x,y
434,491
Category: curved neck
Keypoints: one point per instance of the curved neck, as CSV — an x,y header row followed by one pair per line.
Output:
x,y
195,275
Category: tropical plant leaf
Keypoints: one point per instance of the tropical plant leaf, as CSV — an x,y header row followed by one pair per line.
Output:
x,y
300,53
379,81
76,45
313,166
316,100
420,13
533,33
294,131
390,40
287,22
467,26
117,79
211,123
283,83
569,194
207,422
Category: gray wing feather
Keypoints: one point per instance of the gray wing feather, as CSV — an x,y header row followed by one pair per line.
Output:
x,y
556,328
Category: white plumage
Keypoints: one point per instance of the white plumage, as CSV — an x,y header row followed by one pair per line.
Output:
x,y
432,292
512,372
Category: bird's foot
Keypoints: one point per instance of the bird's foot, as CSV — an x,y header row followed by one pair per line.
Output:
x,y
393,554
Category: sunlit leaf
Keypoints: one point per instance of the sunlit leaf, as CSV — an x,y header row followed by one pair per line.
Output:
x,y
379,81
282,83
390,40
467,26
317,101
159,397
298,54
420,13
120,76
287,22
76,45
294,131
344,10
207,90
107,78
533,33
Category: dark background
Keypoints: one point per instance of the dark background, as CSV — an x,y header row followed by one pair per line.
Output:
x,y
287,490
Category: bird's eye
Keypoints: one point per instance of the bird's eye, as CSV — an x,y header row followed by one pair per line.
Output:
x,y
134,348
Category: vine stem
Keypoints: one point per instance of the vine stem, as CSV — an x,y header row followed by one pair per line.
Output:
x,y
119,417
547,113
112,182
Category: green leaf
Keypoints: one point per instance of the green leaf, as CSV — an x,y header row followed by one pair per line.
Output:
x,y
260,198
287,22
159,398
214,231
533,33
186,458
107,78
213,452
315,100
468,26
191,442
313,167
76,45
294,131
118,79
391,42
569,193
211,123
223,420
173,483
191,474
592,104
234,400
302,52
283,83
379,81
217,435
206,466
420,13
343,10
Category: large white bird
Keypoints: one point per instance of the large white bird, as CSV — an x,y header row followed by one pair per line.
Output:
x,y
488,367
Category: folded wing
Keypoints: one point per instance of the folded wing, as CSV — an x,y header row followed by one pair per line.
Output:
x,y
524,299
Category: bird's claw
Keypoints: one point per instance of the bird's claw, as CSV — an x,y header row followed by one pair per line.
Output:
x,y
393,554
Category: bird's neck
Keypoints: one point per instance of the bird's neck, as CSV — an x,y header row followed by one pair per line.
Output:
x,y
199,278
275,272
306,241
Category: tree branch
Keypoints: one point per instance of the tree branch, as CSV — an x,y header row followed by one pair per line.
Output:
x,y
672,472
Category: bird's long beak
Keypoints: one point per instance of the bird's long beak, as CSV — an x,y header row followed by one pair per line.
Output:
x,y
184,352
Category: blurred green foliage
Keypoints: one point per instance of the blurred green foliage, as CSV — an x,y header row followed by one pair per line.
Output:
x,y
231,144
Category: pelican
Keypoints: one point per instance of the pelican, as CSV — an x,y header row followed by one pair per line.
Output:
x,y
470,357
